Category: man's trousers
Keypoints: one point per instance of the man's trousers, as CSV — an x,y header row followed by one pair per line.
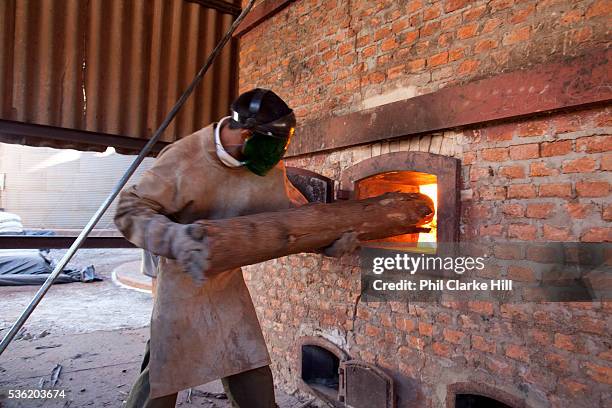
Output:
x,y
250,389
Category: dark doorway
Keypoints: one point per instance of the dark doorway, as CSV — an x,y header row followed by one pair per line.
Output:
x,y
477,401
320,370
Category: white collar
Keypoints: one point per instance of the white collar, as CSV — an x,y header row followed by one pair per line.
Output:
x,y
224,156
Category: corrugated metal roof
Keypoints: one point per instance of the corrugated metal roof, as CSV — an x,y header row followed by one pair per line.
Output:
x,y
112,66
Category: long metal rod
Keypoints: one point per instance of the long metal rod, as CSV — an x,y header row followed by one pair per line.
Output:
x,y
120,184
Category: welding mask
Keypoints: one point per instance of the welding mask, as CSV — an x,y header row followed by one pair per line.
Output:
x,y
272,124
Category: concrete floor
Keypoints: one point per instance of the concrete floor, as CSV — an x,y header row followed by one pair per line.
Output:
x,y
96,332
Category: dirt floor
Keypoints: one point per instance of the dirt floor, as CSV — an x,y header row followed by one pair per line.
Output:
x,y
93,335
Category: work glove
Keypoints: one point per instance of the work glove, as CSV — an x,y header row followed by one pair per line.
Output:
x,y
190,249
346,244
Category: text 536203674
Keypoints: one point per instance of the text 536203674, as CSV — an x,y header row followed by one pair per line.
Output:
x,y
36,394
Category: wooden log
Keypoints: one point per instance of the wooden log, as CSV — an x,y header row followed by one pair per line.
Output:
x,y
239,241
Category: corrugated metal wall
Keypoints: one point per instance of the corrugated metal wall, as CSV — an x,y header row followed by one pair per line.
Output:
x,y
61,189
112,66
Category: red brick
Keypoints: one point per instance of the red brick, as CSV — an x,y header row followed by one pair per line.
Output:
x,y
495,154
382,33
498,366
553,233
578,211
438,59
468,67
513,210
594,144
456,54
450,22
491,230
606,162
519,16
541,169
491,25
474,13
499,133
388,44
597,235
482,344
523,232
445,40
497,5
532,128
592,188
425,329
485,45
506,251
452,5
606,214
432,12
453,336
526,151
562,190
540,337
521,191
396,71
430,28
564,342
469,158
558,148
441,349
477,173
540,210
512,172
574,388
372,331
414,6
492,193
416,65
517,35
522,274
467,31
517,352
416,342
481,307
599,8
557,363
599,373
410,37
591,325
406,325
580,165
399,25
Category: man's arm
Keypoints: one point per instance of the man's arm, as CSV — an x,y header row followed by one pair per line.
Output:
x,y
144,215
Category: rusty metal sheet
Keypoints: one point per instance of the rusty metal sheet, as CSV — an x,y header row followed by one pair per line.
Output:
x,y
568,84
112,66
263,11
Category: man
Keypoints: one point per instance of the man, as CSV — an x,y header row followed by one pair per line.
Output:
x,y
204,327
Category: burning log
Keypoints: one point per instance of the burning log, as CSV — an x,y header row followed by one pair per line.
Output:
x,y
246,240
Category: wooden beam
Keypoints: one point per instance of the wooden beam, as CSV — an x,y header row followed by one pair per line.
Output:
x,y
571,83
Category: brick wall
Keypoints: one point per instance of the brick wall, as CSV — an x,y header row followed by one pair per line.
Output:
x,y
336,56
543,178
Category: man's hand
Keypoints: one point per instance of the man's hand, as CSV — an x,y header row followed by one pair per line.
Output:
x,y
190,249
346,244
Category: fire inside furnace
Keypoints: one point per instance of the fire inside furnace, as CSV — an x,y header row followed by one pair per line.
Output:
x,y
405,182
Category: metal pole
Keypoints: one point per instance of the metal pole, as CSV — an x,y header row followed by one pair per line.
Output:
x,y
120,184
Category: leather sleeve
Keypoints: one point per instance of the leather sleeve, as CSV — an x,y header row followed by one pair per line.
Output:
x,y
144,211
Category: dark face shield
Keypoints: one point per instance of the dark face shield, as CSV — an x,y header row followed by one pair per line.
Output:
x,y
263,152
268,142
